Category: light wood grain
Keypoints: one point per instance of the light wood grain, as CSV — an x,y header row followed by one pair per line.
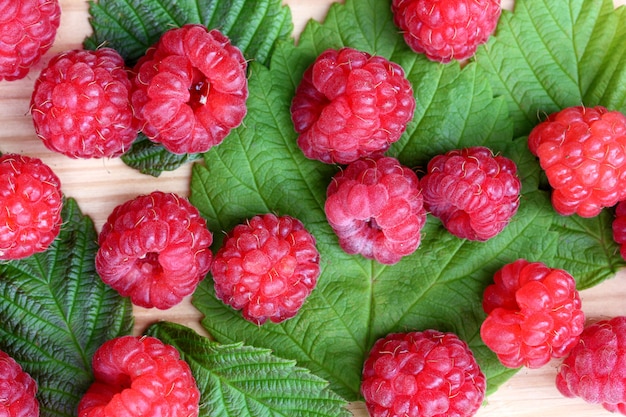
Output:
x,y
100,185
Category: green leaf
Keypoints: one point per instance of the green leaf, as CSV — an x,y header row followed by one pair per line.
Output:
x,y
239,380
151,158
551,54
132,26
55,311
260,169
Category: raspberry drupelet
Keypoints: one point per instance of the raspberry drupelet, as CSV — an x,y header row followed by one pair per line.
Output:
x,y
190,89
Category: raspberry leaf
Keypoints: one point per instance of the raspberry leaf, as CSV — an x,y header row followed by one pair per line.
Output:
x,y
56,312
240,380
259,169
548,55
131,27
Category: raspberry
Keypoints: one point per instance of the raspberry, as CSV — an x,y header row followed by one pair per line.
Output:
x,y
422,374
17,390
190,89
534,314
595,369
267,268
583,153
81,104
619,227
350,104
155,249
27,31
444,30
31,197
472,191
140,376
375,208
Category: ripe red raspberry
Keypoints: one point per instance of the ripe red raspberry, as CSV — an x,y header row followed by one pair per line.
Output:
x,y
27,31
422,374
533,314
350,104
31,198
444,30
266,267
583,153
375,208
17,390
472,191
619,227
81,104
595,369
155,249
190,89
140,376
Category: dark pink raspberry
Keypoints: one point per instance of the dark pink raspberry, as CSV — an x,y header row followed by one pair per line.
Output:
x,y
18,390
266,267
446,30
31,200
376,209
350,104
619,227
27,31
472,191
533,314
583,153
595,369
190,89
140,376
81,104
422,374
154,249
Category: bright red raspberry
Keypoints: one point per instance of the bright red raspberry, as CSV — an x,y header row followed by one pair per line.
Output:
x,y
472,191
140,376
18,390
154,249
595,369
375,208
31,198
422,374
350,104
446,30
190,89
27,31
583,153
266,267
81,104
619,227
533,314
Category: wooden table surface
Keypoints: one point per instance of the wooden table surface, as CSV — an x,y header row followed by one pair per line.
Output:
x,y
95,184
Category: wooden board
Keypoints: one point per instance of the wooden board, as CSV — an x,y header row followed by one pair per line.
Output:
x,y
100,185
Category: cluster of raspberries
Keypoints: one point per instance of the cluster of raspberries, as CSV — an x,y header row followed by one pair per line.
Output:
x,y
186,93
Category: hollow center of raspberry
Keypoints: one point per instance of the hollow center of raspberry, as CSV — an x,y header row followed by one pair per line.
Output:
x,y
149,264
372,224
199,90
